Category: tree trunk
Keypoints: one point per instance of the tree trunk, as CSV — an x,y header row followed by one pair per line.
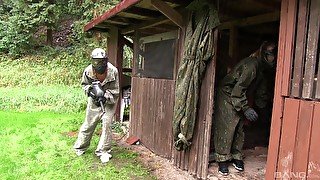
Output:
x,y
49,27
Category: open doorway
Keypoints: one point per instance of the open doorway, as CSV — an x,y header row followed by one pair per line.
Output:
x,y
235,44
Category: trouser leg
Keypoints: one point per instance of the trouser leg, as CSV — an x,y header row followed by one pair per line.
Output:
x,y
238,142
86,130
223,138
106,135
225,122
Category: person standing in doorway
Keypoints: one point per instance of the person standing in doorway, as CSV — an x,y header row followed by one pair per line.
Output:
x,y
232,107
100,82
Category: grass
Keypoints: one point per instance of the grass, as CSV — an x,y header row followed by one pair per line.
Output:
x,y
35,145
56,98
41,105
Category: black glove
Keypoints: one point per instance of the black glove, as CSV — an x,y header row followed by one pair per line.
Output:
x,y
97,101
251,114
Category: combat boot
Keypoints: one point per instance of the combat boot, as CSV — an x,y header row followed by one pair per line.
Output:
x,y
223,168
238,165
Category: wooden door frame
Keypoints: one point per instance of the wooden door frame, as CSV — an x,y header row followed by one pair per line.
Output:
x,y
283,71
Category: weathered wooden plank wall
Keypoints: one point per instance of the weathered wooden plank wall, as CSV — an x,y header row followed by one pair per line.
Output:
x,y
276,123
299,150
195,159
312,50
314,155
300,48
287,143
152,114
296,109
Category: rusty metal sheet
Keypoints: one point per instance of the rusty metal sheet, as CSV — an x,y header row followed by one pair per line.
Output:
x,y
300,48
303,137
314,155
288,135
312,50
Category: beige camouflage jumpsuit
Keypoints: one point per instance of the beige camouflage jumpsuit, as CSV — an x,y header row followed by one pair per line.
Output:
x,y
94,113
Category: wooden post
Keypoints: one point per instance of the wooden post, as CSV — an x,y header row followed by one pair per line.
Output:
x,y
115,51
233,43
278,105
136,50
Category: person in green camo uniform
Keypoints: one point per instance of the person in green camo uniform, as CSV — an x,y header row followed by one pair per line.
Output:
x,y
250,74
104,73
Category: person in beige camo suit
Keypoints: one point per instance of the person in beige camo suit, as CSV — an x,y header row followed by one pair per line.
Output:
x,y
232,107
104,72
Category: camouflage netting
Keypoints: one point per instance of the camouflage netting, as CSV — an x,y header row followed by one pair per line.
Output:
x,y
197,52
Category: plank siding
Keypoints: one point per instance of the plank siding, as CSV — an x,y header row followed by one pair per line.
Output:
x,y
312,50
314,155
152,114
300,161
195,160
276,123
288,135
288,53
300,48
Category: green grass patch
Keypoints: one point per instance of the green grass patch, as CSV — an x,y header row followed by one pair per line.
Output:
x,y
56,98
36,145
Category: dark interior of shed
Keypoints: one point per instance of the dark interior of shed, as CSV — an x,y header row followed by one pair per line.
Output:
x,y
245,25
248,40
259,22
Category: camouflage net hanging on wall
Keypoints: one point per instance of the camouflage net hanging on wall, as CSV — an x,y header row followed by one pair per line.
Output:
x,y
198,50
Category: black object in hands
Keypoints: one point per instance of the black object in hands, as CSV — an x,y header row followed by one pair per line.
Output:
x,y
97,93
251,114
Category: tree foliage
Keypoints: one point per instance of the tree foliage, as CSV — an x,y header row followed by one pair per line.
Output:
x,y
21,19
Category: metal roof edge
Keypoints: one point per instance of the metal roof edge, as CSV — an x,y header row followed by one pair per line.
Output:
x,y
118,8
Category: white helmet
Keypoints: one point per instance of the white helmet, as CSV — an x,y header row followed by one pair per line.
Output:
x,y
98,53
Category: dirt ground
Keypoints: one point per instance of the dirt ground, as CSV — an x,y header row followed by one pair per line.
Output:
x,y
160,167
163,169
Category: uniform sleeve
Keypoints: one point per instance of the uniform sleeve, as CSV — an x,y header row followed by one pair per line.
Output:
x,y
85,82
238,94
112,93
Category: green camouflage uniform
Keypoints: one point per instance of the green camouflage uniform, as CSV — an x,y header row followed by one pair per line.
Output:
x,y
94,113
250,74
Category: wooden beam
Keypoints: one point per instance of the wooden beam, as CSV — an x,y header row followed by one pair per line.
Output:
x,y
118,8
127,70
168,11
143,12
127,42
271,5
233,43
159,37
144,25
260,19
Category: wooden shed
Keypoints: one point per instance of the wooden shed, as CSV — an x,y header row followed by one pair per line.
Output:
x,y
157,28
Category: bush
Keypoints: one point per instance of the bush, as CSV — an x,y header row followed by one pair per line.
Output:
x,y
54,68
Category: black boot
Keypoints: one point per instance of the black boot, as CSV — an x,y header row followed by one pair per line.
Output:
x,y
223,168
238,165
